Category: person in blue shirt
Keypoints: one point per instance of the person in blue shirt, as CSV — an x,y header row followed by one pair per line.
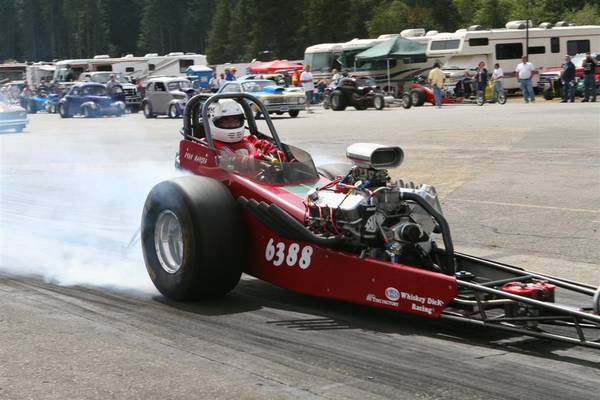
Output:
x,y
567,77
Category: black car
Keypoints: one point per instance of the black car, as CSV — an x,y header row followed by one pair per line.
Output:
x,y
361,93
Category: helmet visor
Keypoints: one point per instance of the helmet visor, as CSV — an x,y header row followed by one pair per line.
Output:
x,y
229,121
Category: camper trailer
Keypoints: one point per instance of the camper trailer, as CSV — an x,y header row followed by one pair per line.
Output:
x,y
546,46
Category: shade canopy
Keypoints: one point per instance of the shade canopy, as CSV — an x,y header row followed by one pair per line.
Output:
x,y
273,66
397,47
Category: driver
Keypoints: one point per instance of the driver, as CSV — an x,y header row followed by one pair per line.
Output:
x,y
226,121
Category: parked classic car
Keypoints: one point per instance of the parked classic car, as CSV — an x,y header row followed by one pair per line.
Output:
x,y
276,99
91,100
12,116
132,97
166,96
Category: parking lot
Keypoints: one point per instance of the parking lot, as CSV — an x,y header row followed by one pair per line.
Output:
x,y
519,184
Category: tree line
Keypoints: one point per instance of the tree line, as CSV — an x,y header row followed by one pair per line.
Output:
x,y
242,30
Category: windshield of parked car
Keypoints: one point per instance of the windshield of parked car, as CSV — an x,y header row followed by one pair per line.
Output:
x,y
299,169
94,91
179,85
257,86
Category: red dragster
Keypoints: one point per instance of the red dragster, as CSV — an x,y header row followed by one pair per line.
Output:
x,y
344,232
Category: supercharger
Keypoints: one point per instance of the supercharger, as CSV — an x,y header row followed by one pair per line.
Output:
x,y
375,216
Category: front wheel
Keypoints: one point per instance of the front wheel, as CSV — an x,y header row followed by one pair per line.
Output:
x,y
147,108
502,98
479,100
63,111
417,97
379,102
192,238
406,101
172,111
338,101
87,112
294,113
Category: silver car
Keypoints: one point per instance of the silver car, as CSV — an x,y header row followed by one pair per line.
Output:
x,y
166,96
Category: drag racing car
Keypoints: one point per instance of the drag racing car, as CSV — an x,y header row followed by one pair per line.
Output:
x,y
458,92
12,116
90,100
360,93
254,204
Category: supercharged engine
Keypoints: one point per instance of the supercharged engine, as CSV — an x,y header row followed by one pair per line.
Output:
x,y
391,221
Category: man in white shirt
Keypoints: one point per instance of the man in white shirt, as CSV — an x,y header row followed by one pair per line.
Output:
x,y
524,72
306,79
497,78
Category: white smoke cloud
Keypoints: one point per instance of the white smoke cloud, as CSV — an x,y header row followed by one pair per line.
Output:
x,y
73,224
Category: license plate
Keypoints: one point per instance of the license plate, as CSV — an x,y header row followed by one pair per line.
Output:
x,y
284,109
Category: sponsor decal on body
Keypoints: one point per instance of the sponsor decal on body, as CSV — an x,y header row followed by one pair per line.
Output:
x,y
418,303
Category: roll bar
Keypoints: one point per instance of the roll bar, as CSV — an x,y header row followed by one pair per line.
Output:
x,y
198,106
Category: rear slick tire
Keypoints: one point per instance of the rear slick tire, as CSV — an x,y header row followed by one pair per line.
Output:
x,y
337,101
192,238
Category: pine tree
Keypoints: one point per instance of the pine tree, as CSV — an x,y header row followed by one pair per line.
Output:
x,y
217,48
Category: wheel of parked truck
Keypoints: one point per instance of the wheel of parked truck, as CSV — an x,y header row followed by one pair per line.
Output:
x,y
192,238
63,110
337,101
502,97
172,111
294,113
417,97
548,94
406,101
147,109
379,102
332,171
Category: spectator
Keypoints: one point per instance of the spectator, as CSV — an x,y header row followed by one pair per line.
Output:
x,y
70,77
230,74
296,78
222,81
335,76
567,77
497,78
213,84
524,72
321,85
112,82
589,78
481,78
306,79
436,81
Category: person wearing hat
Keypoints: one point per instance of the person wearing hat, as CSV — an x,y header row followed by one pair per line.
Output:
x,y
567,77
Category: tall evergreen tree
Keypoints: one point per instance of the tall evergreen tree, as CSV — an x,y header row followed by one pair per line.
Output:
x,y
218,45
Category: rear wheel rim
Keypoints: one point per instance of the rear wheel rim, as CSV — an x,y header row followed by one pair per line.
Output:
x,y
168,241
172,111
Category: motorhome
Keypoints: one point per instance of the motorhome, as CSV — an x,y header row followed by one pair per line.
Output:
x,y
172,64
461,50
545,46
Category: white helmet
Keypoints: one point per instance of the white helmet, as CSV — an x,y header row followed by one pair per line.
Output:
x,y
226,120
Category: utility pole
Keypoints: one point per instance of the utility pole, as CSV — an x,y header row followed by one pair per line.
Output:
x,y
527,12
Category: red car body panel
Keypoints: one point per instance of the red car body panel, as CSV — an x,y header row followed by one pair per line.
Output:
x,y
319,271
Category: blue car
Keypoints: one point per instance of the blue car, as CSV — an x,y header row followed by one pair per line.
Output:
x,y
91,100
40,102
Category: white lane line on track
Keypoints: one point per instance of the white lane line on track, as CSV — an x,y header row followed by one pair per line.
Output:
x,y
499,203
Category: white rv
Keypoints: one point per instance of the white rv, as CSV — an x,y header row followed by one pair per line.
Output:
x,y
461,50
172,64
547,45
